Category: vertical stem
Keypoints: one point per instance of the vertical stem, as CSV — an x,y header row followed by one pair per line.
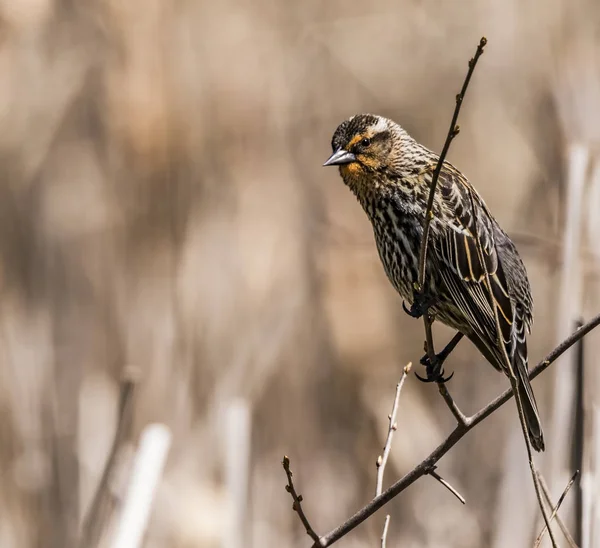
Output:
x,y
578,445
569,306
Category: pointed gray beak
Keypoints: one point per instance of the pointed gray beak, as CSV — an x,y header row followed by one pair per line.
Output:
x,y
340,157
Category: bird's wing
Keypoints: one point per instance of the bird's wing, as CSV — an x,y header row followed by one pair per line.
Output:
x,y
456,246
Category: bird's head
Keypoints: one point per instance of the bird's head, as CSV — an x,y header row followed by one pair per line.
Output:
x,y
366,145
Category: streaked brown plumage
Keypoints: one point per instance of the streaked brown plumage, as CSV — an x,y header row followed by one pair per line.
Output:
x,y
390,174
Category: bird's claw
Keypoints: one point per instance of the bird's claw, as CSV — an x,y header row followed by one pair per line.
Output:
x,y
422,302
410,311
439,378
435,371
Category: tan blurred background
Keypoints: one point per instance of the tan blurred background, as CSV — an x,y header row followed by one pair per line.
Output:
x,y
163,206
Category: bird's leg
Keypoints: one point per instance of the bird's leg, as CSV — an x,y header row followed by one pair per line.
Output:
x,y
441,357
435,371
422,302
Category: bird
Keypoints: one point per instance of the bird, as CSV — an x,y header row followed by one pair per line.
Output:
x,y
390,174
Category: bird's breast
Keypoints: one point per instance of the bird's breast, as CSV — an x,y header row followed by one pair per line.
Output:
x,y
398,238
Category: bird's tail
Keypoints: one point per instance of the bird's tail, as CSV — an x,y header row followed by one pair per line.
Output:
x,y
532,417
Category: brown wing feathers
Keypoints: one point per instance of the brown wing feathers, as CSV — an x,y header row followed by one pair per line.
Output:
x,y
458,249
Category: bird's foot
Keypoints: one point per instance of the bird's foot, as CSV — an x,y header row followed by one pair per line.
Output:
x,y
434,371
421,304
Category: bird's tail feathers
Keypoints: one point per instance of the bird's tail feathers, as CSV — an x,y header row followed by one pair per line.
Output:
x,y
532,417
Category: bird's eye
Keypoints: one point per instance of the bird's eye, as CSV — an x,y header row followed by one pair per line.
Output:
x,y
365,142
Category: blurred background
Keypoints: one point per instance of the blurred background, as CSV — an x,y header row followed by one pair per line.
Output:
x,y
164,214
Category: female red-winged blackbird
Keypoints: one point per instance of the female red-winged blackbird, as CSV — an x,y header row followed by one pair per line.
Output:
x,y
390,174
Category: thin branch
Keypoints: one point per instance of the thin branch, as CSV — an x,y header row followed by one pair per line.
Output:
x,y
95,518
452,132
382,459
561,523
555,509
435,475
427,319
385,531
455,436
532,466
420,287
578,455
462,420
572,339
460,417
297,506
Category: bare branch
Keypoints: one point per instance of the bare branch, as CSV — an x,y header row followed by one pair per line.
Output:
x,y
385,531
435,475
297,506
575,337
460,417
532,466
420,286
382,460
455,436
452,132
554,514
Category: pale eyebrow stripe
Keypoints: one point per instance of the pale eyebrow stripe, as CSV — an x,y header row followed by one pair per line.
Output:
x,y
379,126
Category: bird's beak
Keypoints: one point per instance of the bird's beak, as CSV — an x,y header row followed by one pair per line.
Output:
x,y
340,157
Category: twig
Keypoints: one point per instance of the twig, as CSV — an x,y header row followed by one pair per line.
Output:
x,y
452,132
435,475
532,466
382,459
297,506
460,417
578,455
427,320
385,531
454,437
93,521
420,286
538,540
561,523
